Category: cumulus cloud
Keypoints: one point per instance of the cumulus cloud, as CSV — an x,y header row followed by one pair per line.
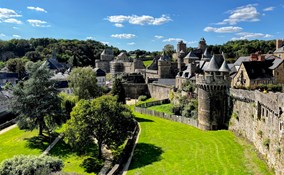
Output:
x,y
229,29
268,9
246,13
2,35
90,38
38,23
13,21
191,42
173,40
247,35
131,44
139,20
16,36
159,36
123,36
118,25
37,9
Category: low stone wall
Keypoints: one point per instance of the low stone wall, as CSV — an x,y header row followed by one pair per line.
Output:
x,y
159,91
259,118
7,124
143,110
134,90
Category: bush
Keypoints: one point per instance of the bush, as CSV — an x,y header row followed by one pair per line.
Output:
x,y
92,165
30,165
142,98
266,143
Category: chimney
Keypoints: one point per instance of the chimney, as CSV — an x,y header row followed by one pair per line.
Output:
x,y
253,57
279,43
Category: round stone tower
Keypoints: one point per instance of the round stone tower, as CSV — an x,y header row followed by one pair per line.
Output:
x,y
213,88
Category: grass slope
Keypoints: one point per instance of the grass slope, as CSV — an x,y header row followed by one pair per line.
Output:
x,y
15,142
166,108
167,147
147,63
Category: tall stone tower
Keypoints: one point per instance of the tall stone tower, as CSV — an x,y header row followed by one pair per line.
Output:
x,y
202,44
181,52
213,88
279,43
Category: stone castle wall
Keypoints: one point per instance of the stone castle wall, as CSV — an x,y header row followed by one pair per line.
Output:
x,y
259,118
159,91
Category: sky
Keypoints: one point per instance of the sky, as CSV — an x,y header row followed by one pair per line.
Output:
x,y
144,24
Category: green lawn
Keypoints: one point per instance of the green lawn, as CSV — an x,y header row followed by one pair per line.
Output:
x,y
166,108
167,147
15,142
147,63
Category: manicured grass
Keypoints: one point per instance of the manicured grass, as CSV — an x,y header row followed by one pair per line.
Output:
x,y
146,101
147,63
166,108
16,142
167,147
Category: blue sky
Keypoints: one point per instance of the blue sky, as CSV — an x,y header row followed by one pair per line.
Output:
x,y
144,24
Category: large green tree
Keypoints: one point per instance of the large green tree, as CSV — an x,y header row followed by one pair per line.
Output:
x,y
36,100
17,65
118,90
84,83
101,120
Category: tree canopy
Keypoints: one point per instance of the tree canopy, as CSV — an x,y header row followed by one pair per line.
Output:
x,y
36,100
102,119
83,82
118,90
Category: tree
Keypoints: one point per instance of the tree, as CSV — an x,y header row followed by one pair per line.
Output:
x,y
118,90
17,65
36,100
84,83
30,165
169,49
102,119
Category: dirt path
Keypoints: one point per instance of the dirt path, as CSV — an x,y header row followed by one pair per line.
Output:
x,y
8,129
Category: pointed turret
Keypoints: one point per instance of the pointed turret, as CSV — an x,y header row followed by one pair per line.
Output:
x,y
224,67
212,66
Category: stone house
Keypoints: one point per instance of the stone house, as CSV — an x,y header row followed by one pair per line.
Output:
x,y
6,77
100,76
279,49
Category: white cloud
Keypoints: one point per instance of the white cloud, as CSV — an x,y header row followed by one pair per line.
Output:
x,y
37,9
15,27
247,35
13,21
139,20
8,13
123,36
131,44
2,35
16,36
268,9
38,23
90,37
246,13
173,40
118,25
159,36
105,42
229,29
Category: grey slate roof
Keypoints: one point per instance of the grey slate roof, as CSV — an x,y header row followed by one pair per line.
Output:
x,y
279,50
206,54
99,72
191,55
276,63
212,66
224,67
241,59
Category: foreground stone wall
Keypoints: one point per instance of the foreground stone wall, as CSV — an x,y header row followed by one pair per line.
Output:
x,y
134,90
259,118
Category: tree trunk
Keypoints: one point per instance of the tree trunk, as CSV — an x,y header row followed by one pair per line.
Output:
x,y
40,127
100,149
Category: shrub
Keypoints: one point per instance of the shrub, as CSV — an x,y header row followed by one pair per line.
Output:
x,y
92,165
142,98
260,133
266,143
30,165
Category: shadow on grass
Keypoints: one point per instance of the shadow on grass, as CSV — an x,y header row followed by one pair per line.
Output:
x,y
143,120
38,142
145,154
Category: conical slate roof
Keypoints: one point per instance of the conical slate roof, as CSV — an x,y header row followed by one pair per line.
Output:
x,y
212,66
206,54
224,67
191,55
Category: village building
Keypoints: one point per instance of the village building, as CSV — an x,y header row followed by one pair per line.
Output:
x,y
279,48
100,76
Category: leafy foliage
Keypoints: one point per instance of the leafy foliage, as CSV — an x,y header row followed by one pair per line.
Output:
x,y
142,98
36,100
84,83
68,102
118,90
30,165
17,65
92,165
102,119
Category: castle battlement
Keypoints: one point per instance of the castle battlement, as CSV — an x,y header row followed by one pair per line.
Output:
x,y
213,80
